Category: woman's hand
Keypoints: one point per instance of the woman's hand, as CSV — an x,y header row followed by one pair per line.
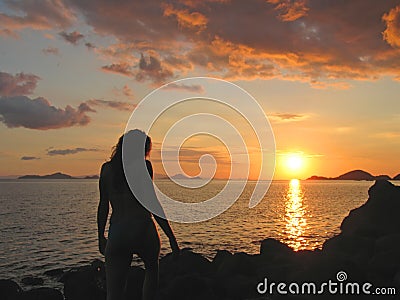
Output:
x,y
174,247
102,245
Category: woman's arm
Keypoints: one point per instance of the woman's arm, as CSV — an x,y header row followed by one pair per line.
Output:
x,y
102,212
166,227
164,224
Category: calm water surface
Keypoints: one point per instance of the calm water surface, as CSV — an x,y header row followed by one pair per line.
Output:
x,y
52,224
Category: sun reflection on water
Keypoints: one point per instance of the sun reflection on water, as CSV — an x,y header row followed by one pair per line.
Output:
x,y
295,216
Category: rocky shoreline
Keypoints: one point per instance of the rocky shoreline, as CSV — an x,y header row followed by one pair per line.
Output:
x,y
365,255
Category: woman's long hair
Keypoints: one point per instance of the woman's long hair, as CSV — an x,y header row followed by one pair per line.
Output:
x,y
138,145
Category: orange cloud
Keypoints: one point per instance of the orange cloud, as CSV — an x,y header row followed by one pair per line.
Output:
x,y
186,18
392,31
290,10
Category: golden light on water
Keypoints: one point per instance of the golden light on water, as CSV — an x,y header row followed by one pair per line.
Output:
x,y
295,219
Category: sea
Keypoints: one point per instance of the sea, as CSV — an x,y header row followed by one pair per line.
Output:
x,y
51,224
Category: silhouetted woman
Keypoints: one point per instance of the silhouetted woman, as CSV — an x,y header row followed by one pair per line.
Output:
x,y
132,229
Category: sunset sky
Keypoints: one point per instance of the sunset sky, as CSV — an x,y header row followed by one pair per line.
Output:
x,y
326,73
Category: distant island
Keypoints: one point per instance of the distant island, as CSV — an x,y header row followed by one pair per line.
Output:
x,y
177,176
57,175
181,176
356,175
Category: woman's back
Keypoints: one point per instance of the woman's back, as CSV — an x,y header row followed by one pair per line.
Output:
x,y
125,207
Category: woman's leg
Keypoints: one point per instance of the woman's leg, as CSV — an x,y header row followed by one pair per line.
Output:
x,y
150,284
150,253
117,267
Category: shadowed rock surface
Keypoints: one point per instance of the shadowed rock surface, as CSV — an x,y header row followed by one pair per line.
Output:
x,y
367,250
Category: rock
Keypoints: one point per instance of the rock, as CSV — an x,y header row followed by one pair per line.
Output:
x,y
355,248
188,262
387,262
84,283
8,289
378,216
42,293
238,263
387,243
54,272
220,257
272,247
30,280
190,286
237,287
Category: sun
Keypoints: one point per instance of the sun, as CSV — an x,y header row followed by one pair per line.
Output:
x,y
294,162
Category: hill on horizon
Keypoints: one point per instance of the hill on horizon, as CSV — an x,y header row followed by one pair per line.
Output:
x,y
57,175
356,175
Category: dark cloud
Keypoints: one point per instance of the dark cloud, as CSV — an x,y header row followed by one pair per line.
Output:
x,y
124,106
54,152
90,46
119,68
18,84
151,69
29,158
51,50
38,113
72,37
287,117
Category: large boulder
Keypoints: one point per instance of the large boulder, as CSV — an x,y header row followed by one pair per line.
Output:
x,y
187,262
31,280
378,216
85,283
357,249
272,247
54,273
8,289
42,293
189,286
387,262
220,257
387,243
238,263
